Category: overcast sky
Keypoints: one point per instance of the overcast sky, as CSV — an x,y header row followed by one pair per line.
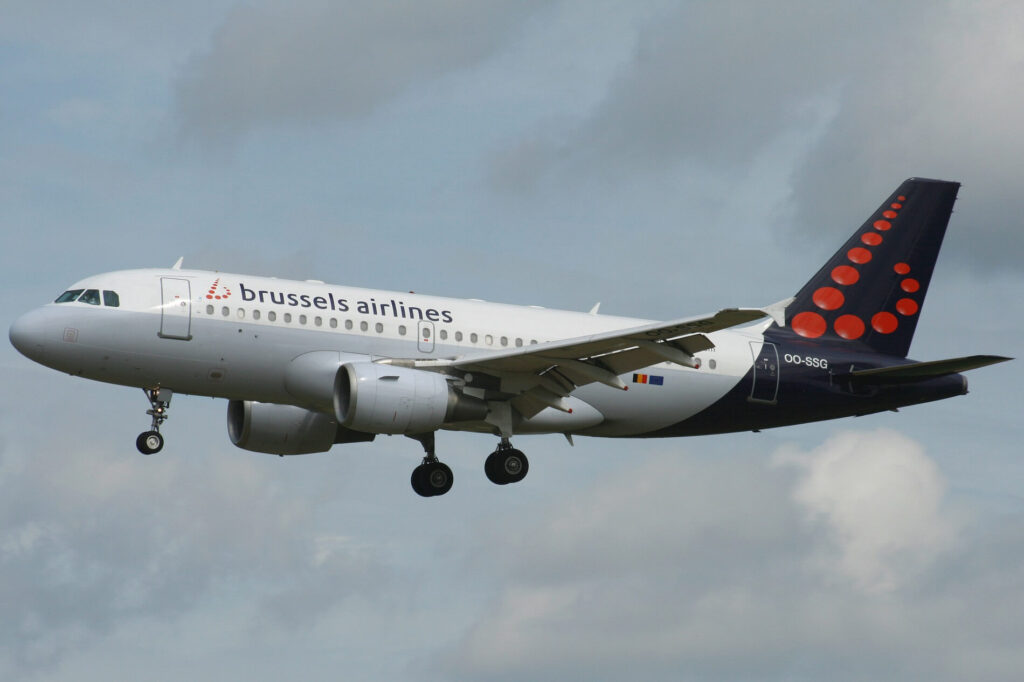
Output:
x,y
666,159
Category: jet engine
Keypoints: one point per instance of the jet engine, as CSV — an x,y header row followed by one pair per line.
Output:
x,y
285,429
389,399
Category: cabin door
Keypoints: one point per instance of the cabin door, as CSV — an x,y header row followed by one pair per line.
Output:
x,y
175,308
765,385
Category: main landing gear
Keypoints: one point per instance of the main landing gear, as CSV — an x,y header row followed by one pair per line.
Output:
x,y
151,442
432,477
506,464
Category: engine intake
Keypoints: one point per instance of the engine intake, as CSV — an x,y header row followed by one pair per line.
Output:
x,y
388,399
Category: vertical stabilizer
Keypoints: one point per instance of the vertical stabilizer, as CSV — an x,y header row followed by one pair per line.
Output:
x,y
872,290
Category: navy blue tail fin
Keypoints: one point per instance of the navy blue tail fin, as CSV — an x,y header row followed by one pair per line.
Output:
x,y
872,290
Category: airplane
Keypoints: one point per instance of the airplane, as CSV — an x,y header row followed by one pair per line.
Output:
x,y
306,365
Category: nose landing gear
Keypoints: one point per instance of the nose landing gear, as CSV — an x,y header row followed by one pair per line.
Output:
x,y
151,442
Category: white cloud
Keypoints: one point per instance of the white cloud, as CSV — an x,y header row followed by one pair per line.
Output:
x,y
699,568
880,498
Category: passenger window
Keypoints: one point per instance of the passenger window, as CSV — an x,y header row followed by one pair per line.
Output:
x,y
348,324
255,314
504,340
225,311
111,299
287,317
241,313
401,330
91,296
379,327
519,343
272,316
458,336
489,339
426,332
363,326
444,334
209,310
69,296
334,323
473,337
318,321
302,319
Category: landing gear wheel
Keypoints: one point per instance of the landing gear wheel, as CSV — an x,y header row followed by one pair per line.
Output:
x,y
506,466
431,479
149,442
418,483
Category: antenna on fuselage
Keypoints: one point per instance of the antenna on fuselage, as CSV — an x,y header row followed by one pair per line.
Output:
x,y
177,263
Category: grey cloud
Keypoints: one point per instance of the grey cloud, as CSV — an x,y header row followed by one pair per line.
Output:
x,y
945,105
713,569
309,62
715,83
90,541
870,94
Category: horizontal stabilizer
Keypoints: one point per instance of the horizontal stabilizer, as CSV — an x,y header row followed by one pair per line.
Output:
x,y
922,371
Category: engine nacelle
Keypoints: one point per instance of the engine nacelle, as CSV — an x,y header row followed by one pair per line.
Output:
x,y
388,399
285,429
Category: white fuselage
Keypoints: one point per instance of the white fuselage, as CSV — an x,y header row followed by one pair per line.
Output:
x,y
232,336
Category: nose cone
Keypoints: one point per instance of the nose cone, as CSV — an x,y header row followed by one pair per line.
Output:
x,y
28,334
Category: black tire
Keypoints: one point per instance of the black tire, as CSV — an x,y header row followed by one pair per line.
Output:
x,y
419,481
438,478
149,442
514,466
492,468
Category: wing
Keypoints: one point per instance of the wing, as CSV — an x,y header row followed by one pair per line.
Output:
x,y
539,376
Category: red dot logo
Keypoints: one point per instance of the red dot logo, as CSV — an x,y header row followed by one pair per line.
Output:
x,y
849,327
884,323
906,306
882,225
212,293
845,275
889,214
859,255
809,325
910,285
901,268
828,298
896,206
901,198
871,238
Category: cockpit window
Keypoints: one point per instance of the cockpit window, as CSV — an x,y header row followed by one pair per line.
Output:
x,y
69,296
111,299
91,296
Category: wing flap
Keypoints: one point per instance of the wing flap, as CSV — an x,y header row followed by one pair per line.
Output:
x,y
620,351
